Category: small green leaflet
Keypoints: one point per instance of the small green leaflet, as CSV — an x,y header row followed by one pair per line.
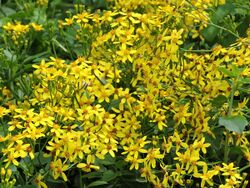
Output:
x,y
234,123
97,183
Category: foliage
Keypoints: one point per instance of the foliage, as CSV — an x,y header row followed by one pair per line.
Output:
x,y
114,93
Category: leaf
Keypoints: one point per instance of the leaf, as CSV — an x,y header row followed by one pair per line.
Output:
x,y
9,55
236,70
97,183
26,186
221,12
107,161
36,56
141,180
93,175
18,15
6,11
39,16
234,123
210,33
236,150
109,175
40,159
24,165
56,42
219,101
245,80
227,72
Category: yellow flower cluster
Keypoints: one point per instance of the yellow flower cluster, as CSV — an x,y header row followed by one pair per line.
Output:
x,y
42,2
137,94
17,31
6,180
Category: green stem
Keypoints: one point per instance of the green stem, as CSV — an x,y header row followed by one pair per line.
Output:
x,y
226,148
223,28
244,168
229,113
195,51
231,99
81,185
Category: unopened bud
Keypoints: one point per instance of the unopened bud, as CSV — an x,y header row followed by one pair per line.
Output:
x,y
3,171
9,172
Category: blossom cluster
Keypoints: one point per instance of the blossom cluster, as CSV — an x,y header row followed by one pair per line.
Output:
x,y
17,32
135,92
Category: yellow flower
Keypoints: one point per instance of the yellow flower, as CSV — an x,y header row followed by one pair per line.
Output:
x,y
36,27
170,53
181,113
108,148
68,21
103,93
152,155
134,150
3,111
15,124
125,53
135,162
206,176
89,164
38,181
42,2
178,173
175,37
200,145
167,145
54,147
82,17
19,148
147,173
58,169
11,159
230,170
160,119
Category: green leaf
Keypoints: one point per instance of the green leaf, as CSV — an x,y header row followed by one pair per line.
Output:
x,y
236,150
236,70
36,56
219,101
18,15
245,80
56,42
221,12
234,123
141,180
6,11
26,186
97,183
93,175
109,175
210,33
39,16
227,72
9,55
107,161
40,159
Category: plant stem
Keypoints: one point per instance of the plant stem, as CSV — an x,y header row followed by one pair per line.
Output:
x,y
229,113
195,51
226,148
223,28
231,99
244,168
81,185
